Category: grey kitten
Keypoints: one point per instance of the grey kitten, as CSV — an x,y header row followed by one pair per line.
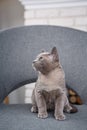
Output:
x,y
50,92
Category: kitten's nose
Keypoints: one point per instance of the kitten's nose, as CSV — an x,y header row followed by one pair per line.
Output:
x,y
34,61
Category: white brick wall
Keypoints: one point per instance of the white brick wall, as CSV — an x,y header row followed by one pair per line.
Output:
x,y
35,22
74,11
61,21
46,13
74,17
29,14
81,21
28,92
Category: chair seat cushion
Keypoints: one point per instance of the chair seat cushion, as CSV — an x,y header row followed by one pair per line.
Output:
x,y
19,117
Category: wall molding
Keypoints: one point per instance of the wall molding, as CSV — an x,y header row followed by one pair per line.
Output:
x,y
51,4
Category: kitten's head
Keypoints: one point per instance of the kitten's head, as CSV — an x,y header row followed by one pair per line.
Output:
x,y
46,62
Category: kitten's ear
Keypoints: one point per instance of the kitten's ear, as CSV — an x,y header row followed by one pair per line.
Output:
x,y
55,54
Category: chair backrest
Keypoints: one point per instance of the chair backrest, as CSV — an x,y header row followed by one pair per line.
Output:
x,y
19,46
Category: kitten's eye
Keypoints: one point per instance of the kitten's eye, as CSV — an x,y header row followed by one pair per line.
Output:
x,y
41,58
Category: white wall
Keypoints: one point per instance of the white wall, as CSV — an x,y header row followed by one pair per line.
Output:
x,y
17,96
74,17
11,13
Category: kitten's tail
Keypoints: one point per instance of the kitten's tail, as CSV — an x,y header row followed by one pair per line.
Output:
x,y
74,109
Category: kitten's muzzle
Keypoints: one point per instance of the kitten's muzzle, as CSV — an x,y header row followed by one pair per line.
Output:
x,y
34,61
33,65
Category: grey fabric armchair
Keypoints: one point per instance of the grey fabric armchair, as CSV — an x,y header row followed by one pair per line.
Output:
x,y
18,48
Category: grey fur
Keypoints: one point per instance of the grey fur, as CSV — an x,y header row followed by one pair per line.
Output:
x,y
50,90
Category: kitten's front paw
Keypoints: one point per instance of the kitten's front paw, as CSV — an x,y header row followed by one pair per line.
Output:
x,y
34,109
42,115
60,117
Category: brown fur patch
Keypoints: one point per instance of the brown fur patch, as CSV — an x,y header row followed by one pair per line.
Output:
x,y
73,96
